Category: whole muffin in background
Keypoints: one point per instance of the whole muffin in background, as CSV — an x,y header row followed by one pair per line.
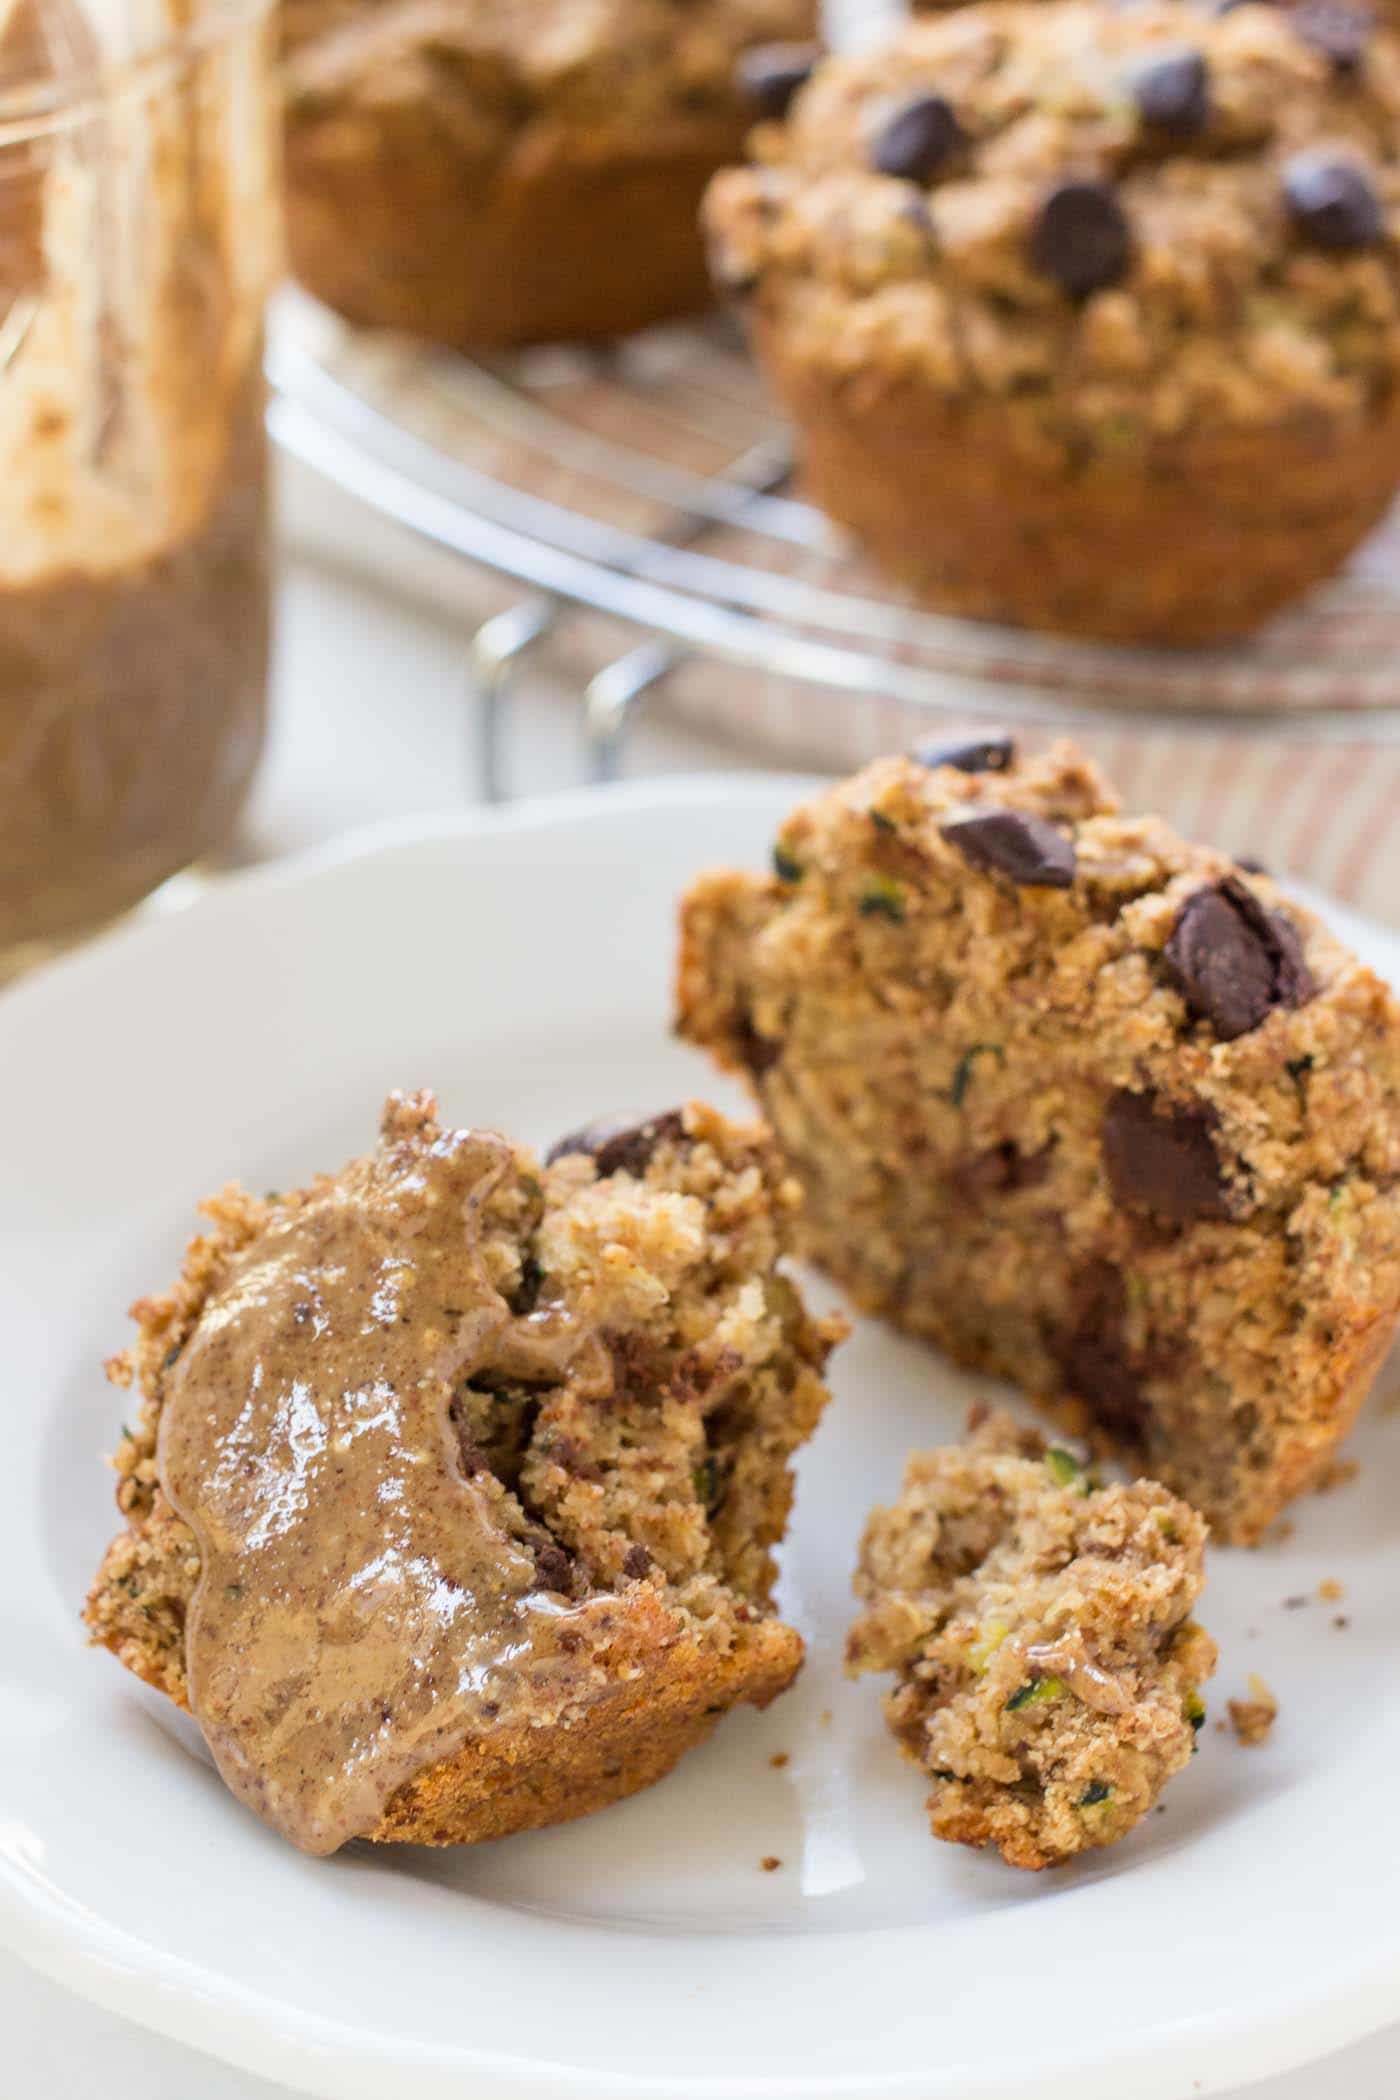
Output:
x,y
1088,318
492,172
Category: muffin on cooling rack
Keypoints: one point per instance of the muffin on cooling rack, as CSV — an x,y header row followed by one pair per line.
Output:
x,y
490,172
1089,317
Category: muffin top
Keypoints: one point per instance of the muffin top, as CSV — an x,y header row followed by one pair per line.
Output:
x,y
492,67
1133,223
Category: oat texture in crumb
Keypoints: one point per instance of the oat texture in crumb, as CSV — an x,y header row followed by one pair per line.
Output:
x,y
636,1510
1047,1667
1082,1102
1252,1719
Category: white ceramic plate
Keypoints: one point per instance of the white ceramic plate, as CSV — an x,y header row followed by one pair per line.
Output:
x,y
520,964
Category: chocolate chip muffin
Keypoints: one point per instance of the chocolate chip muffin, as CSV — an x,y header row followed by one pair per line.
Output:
x,y
450,1506
1089,317
490,172
1089,1106
1047,1666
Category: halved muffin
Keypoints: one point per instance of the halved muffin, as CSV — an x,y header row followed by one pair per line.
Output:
x,y
451,1503
1090,1106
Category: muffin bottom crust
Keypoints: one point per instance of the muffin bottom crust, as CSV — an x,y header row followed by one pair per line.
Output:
x,y
1186,542
560,241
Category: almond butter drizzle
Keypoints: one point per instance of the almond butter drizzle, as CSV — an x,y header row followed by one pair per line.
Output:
x,y
362,1609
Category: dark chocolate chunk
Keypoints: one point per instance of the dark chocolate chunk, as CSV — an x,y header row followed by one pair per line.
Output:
x,y
1339,32
636,1562
620,1148
999,1172
1161,1158
553,1568
1233,961
1172,91
994,754
771,75
1081,236
1332,202
1027,848
757,1052
915,142
1091,1350
470,1456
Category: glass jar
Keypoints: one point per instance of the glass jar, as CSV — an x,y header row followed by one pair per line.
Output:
x,y
138,236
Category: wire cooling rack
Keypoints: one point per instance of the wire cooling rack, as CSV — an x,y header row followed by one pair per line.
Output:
x,y
641,496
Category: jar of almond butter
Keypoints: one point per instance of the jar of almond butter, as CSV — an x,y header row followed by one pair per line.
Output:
x,y
138,237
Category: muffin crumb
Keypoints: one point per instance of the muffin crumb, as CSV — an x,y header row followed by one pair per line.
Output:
x,y
1252,1719
1038,1626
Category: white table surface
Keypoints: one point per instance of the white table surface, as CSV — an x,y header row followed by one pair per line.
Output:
x,y
369,721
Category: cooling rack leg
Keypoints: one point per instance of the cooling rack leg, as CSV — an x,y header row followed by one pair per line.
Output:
x,y
613,696
496,649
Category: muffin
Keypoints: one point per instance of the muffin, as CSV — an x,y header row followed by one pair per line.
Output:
x,y
450,1506
1088,317
1091,1107
492,172
1039,1628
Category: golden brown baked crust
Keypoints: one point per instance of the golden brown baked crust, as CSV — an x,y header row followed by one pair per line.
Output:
x,y
1032,1127
668,1493
1193,540
485,175
1038,1624
1119,270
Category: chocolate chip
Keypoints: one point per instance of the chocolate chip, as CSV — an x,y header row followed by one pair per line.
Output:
x,y
1081,236
995,754
1332,203
620,1148
470,1456
915,142
1339,32
771,75
1233,961
636,1562
1161,1157
553,1568
1091,1349
1027,848
1172,92
999,1172
564,1452
758,1054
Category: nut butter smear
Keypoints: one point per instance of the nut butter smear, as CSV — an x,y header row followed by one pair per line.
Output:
x,y
361,1611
